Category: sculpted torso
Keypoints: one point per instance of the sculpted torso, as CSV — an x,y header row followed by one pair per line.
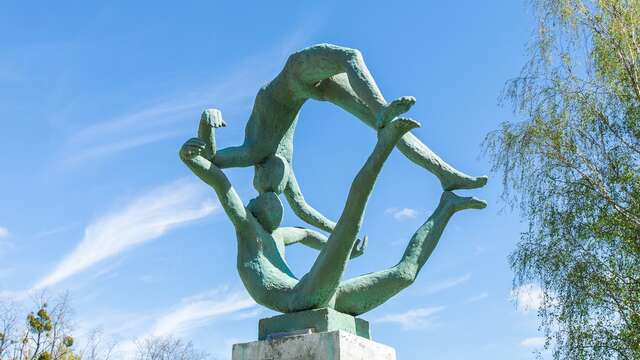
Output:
x,y
336,74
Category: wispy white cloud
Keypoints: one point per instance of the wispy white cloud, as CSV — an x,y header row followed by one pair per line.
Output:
x,y
103,150
401,214
528,297
165,117
196,311
54,231
6,272
477,298
447,284
144,218
153,116
478,250
249,314
5,243
155,122
413,319
149,279
120,325
533,342
15,296
189,314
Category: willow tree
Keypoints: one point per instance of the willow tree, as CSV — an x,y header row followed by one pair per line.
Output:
x,y
572,165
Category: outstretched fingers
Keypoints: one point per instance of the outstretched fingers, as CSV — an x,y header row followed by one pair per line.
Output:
x,y
359,247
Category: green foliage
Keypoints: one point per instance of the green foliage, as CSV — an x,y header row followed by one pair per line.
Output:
x,y
40,322
573,165
44,336
67,341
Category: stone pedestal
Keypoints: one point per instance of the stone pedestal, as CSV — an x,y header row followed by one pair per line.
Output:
x,y
334,345
317,320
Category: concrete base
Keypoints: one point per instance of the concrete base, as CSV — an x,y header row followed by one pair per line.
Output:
x,y
335,345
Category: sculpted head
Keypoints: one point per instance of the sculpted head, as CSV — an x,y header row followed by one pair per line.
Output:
x,y
267,209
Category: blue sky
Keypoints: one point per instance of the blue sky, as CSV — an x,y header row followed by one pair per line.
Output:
x,y
95,101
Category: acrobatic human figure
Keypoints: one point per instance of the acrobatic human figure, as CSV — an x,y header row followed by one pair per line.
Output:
x,y
261,243
328,73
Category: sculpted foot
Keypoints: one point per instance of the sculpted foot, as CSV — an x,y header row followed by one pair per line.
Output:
x,y
395,108
212,118
457,203
459,180
396,128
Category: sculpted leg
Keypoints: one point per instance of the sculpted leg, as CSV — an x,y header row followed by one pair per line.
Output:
x,y
363,293
318,286
450,178
317,63
366,88
337,90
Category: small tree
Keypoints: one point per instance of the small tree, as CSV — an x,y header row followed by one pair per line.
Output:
x,y
96,346
573,166
45,335
167,348
8,328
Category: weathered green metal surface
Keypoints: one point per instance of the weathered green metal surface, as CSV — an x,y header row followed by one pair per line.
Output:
x,y
336,74
318,320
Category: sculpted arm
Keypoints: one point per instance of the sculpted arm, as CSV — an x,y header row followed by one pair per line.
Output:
x,y
313,239
191,155
293,235
302,209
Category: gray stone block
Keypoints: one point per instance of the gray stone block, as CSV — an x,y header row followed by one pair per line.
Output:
x,y
335,345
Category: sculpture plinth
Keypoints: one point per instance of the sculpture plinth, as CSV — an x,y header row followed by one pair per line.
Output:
x,y
335,345
315,321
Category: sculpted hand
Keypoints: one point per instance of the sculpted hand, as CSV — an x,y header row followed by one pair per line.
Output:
x,y
192,148
359,246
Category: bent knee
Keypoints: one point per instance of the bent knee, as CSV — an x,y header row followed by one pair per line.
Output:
x,y
348,55
405,276
352,53
330,50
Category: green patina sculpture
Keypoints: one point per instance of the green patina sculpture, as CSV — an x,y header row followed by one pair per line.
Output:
x,y
336,74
